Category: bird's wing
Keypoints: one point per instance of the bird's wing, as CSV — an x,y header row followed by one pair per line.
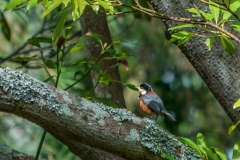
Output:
x,y
155,103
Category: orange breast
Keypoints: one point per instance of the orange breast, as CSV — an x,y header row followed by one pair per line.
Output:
x,y
145,108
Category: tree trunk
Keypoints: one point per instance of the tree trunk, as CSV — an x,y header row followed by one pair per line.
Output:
x,y
85,126
219,70
97,24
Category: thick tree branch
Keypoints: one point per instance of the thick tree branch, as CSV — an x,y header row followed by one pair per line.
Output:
x,y
82,124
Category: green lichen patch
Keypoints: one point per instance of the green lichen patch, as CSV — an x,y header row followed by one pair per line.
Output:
x,y
4,149
119,115
31,91
160,141
133,137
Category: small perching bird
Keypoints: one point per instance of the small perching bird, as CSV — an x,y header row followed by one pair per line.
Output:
x,y
151,103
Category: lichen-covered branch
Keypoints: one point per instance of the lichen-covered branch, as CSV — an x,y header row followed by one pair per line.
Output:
x,y
8,153
82,124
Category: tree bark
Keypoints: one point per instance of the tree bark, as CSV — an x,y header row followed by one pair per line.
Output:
x,y
8,153
219,70
83,125
97,24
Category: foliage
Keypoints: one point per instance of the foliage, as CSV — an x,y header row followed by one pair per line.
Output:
x,y
209,152
217,9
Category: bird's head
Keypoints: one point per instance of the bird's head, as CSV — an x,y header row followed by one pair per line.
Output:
x,y
144,88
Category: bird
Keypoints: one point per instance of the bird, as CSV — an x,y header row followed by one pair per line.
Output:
x,y
151,103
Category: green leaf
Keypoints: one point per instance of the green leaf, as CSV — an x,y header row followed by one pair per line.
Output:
x,y
220,153
236,151
105,78
31,3
13,3
201,139
214,10
180,26
68,30
209,42
59,28
20,59
95,67
78,7
228,45
233,127
65,2
106,102
233,7
54,5
50,64
207,16
75,48
194,12
164,155
112,52
122,55
210,153
35,41
190,143
236,27
5,27
106,5
131,86
236,104
95,7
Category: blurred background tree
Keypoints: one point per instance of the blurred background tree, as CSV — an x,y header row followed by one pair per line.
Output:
x,y
171,75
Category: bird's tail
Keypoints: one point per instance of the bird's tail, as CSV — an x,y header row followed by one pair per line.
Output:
x,y
170,116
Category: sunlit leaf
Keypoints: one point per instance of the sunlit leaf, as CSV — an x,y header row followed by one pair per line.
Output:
x,y
236,27
214,7
59,28
14,3
54,5
233,7
233,127
75,48
210,153
107,6
78,7
207,16
200,139
209,42
236,104
164,155
228,45
95,7
105,78
220,153
194,12
190,143
31,3
50,64
236,151
180,26
5,27
106,102
65,2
